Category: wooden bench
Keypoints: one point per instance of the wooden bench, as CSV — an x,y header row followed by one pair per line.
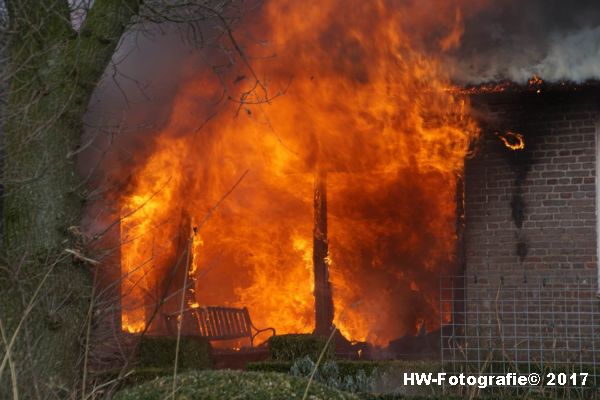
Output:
x,y
215,323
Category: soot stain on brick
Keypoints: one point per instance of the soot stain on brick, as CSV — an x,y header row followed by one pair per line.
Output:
x,y
522,248
517,205
520,161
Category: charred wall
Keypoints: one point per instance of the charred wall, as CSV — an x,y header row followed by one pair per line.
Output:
x,y
534,209
530,228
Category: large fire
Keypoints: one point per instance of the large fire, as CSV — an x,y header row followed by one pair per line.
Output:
x,y
344,88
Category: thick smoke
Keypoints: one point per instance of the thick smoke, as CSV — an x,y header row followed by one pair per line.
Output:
x,y
513,40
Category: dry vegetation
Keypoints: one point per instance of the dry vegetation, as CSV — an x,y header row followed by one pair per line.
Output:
x,y
53,53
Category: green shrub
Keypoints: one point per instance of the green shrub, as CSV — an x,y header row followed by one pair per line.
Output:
x,y
381,377
270,366
227,384
293,347
159,352
132,377
328,374
351,367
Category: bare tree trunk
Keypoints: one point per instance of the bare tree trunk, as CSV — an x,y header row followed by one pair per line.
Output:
x,y
54,71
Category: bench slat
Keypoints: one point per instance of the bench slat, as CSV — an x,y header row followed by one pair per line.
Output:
x,y
215,323
207,323
218,325
246,317
214,329
234,324
203,326
225,323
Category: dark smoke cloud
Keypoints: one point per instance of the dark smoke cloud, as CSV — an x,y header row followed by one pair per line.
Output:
x,y
558,40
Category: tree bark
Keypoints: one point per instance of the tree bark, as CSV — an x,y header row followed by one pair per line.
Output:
x,y
55,70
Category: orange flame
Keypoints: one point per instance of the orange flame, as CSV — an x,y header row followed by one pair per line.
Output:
x,y
512,140
535,83
357,100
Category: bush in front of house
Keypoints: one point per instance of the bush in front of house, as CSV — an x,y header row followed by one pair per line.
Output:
x,y
131,377
270,366
294,346
328,374
369,379
228,384
159,352
352,367
156,358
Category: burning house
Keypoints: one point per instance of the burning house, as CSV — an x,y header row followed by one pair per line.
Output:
x,y
338,176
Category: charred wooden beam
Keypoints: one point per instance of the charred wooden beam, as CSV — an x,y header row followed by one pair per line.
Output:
x,y
182,265
323,299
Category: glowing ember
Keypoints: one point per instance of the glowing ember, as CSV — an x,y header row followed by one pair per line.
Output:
x,y
366,106
535,82
494,87
512,140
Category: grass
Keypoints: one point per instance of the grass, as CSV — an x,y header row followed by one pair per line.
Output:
x,y
227,384
351,367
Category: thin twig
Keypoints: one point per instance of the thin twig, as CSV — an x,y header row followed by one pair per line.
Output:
x,y
81,257
312,374
23,318
213,208
11,364
87,336
181,307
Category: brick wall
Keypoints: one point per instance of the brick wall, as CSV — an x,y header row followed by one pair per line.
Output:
x,y
534,209
530,231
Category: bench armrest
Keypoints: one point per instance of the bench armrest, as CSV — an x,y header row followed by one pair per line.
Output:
x,y
259,331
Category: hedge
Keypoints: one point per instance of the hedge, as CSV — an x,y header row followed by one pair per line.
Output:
x,y
133,376
292,347
228,384
270,366
159,352
351,367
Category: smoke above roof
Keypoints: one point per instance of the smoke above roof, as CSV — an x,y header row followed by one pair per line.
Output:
x,y
556,40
